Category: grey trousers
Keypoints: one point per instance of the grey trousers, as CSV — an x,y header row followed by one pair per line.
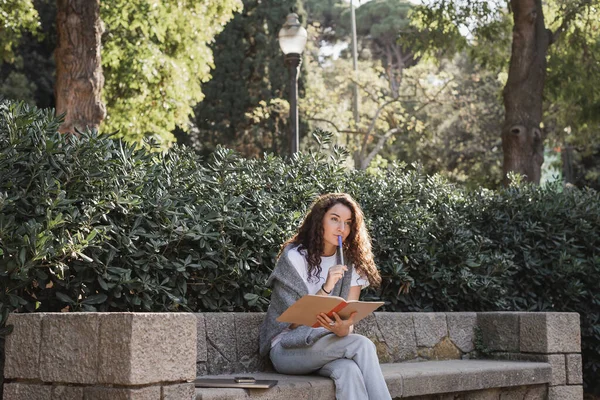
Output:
x,y
351,362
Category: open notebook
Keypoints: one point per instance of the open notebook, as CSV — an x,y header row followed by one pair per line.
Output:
x,y
305,310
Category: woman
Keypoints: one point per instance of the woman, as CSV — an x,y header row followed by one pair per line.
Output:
x,y
307,265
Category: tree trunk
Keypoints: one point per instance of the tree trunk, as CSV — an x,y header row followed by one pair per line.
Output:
x,y
79,78
522,132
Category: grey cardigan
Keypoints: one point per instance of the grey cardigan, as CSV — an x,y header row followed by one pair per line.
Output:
x,y
288,287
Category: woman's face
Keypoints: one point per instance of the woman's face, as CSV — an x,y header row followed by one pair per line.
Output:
x,y
337,221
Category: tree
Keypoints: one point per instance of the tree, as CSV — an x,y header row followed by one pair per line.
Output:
x,y
380,24
30,75
249,69
17,17
79,78
155,59
388,104
386,112
523,130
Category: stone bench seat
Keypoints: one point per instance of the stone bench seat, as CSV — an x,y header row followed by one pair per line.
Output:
x,y
406,379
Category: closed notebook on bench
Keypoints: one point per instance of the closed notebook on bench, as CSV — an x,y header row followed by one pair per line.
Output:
x,y
305,310
231,383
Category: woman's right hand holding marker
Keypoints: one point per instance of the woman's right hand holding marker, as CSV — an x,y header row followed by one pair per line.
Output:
x,y
333,276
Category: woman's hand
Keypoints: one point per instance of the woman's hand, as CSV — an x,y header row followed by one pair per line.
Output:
x,y
333,276
337,325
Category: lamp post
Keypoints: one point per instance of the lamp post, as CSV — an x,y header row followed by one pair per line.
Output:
x,y
292,39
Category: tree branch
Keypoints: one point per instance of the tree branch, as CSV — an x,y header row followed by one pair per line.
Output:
x,y
335,126
569,17
380,143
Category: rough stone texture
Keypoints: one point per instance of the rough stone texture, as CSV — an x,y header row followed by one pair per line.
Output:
x,y
107,393
201,351
559,371
461,329
145,348
513,393
220,394
550,333
399,340
436,377
221,343
537,393
521,357
369,327
67,393
574,369
490,394
201,368
444,350
565,393
181,391
69,349
167,340
500,330
115,349
247,329
26,391
22,346
430,328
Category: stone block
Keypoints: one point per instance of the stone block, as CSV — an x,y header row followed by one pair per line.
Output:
x,y
437,377
115,349
69,349
444,350
565,393
146,348
181,391
369,327
520,357
517,393
201,369
201,352
67,393
490,394
398,334
221,394
574,369
247,329
26,391
221,343
559,371
430,328
551,332
461,330
22,346
538,392
109,393
500,330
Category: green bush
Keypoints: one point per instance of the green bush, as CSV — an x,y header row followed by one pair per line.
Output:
x,y
89,223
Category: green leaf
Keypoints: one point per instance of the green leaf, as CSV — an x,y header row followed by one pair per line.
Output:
x,y
95,299
64,298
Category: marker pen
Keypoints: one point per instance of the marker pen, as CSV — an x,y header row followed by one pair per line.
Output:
x,y
341,250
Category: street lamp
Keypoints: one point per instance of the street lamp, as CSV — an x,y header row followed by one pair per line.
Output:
x,y
292,39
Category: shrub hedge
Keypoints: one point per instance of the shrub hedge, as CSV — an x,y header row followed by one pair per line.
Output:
x,y
89,223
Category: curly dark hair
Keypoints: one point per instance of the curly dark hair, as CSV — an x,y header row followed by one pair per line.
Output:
x,y
357,245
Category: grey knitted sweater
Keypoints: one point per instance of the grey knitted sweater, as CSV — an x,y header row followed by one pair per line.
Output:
x,y
288,287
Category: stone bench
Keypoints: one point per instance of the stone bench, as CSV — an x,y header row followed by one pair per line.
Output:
x,y
494,355
156,356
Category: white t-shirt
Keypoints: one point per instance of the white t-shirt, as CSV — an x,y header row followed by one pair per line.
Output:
x,y
298,260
